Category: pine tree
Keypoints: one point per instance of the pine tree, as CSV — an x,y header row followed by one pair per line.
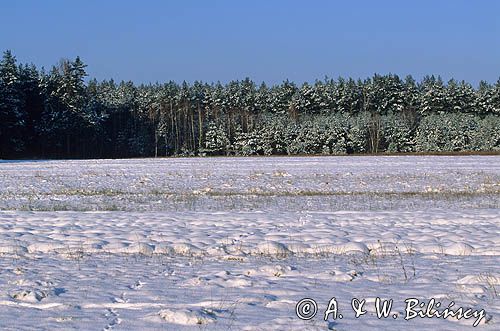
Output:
x,y
12,112
29,79
63,118
216,140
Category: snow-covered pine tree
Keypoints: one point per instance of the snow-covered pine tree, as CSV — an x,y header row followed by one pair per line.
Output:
x,y
216,140
12,112
63,118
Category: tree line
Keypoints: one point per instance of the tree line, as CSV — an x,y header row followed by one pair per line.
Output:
x,y
57,114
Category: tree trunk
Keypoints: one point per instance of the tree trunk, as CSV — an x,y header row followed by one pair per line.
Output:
x,y
156,144
200,128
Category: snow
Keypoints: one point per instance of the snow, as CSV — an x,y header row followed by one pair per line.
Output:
x,y
235,243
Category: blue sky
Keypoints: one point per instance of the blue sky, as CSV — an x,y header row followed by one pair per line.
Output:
x,y
266,40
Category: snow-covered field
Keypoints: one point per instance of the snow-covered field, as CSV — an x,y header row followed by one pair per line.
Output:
x,y
236,243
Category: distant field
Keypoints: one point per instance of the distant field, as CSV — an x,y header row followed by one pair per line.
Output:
x,y
234,243
255,183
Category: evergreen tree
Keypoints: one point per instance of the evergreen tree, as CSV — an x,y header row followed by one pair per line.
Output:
x,y
31,93
64,117
216,140
12,111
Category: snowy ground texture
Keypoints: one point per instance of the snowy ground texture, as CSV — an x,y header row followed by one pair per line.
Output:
x,y
235,243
